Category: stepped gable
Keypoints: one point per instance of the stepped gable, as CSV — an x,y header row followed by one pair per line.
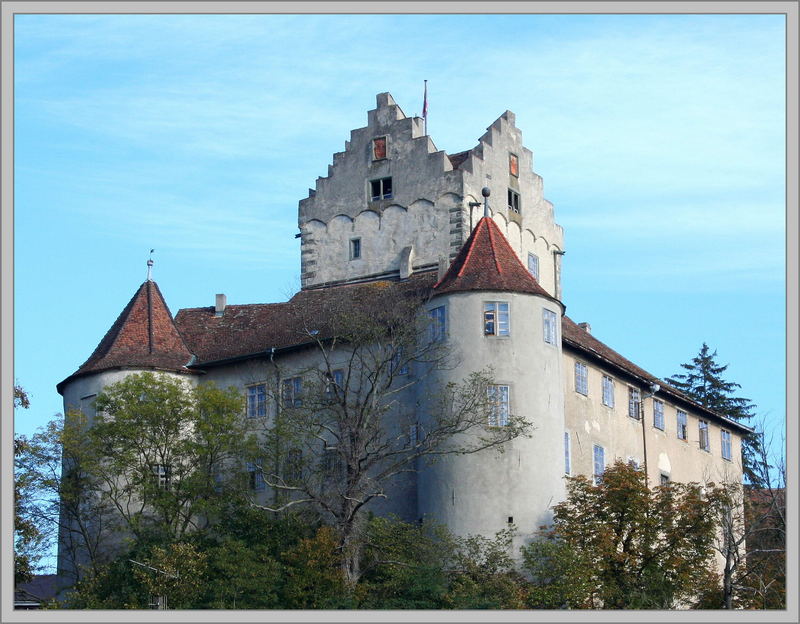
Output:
x,y
487,262
143,336
572,335
253,330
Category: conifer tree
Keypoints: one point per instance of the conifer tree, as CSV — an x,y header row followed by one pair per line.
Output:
x,y
704,383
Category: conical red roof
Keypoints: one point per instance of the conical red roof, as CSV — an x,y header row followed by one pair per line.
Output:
x,y
144,335
487,262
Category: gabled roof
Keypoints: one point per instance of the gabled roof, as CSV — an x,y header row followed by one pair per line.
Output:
x,y
143,336
487,262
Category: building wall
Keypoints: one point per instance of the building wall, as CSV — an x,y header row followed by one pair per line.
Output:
x,y
478,493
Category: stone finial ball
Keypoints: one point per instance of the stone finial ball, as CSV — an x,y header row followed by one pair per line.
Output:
x,y
485,191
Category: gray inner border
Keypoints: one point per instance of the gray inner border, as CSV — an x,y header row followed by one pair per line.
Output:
x,y
9,9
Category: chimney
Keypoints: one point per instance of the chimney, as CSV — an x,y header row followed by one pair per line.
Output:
x,y
219,308
585,327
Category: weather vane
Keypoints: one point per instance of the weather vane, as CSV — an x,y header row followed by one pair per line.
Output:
x,y
150,266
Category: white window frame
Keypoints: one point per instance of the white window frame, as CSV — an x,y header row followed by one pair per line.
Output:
x,y
499,404
512,195
257,400
438,323
381,187
726,442
549,326
703,432
658,414
567,454
682,419
634,403
598,453
608,391
162,474
533,259
496,318
581,378
355,248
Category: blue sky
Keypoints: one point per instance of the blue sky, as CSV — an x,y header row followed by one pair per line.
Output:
x,y
660,140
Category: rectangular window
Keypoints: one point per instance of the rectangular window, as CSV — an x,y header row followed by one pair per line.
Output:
x,y
704,442
379,148
581,378
292,392
331,463
658,414
355,248
498,406
513,165
413,434
293,468
438,327
399,365
380,189
634,403
257,401
608,391
163,475
726,445
496,320
332,381
567,463
533,265
682,430
549,321
599,463
513,200
255,475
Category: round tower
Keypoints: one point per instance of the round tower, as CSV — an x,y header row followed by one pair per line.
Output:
x,y
496,316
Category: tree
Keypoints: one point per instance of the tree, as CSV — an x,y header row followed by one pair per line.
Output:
x,y
703,382
341,438
628,547
29,534
149,466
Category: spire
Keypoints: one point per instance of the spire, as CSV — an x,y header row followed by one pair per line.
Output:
x,y
487,262
150,266
143,336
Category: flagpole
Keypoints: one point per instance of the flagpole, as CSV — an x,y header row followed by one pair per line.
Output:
x,y
425,109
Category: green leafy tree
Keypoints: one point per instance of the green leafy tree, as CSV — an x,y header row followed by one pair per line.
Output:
x,y
641,548
560,575
703,382
345,439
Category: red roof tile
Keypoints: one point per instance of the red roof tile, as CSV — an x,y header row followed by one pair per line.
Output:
x,y
143,335
487,262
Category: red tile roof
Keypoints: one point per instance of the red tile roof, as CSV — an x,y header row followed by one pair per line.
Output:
x,y
487,262
143,336
457,159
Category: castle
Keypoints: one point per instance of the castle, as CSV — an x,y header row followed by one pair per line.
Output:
x,y
394,210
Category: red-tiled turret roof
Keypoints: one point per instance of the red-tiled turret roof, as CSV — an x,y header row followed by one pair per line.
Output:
x,y
487,262
144,335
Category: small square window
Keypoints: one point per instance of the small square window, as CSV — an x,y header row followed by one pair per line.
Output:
x,y
380,189
658,414
496,320
608,391
682,428
513,201
549,323
581,378
498,406
355,248
533,265
379,148
257,401
634,403
513,165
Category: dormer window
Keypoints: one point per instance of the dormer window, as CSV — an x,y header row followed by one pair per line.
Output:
x,y
379,148
380,189
513,165
513,200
